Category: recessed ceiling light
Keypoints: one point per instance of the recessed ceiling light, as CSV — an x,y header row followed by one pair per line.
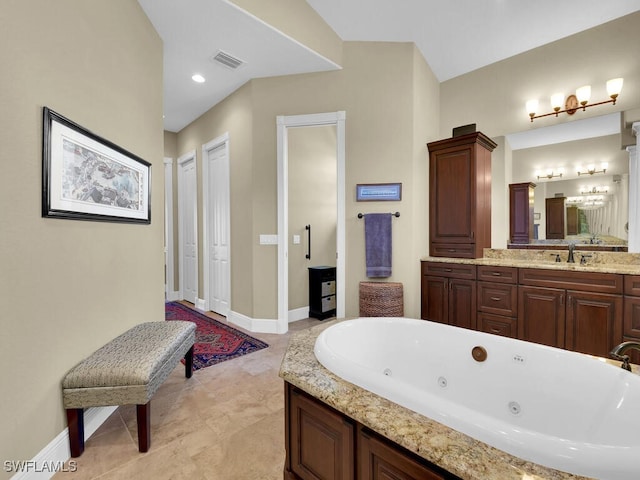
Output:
x,y
198,78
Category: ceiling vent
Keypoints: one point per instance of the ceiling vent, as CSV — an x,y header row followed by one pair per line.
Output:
x,y
227,60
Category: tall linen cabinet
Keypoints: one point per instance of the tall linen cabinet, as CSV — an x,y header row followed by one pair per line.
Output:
x,y
460,196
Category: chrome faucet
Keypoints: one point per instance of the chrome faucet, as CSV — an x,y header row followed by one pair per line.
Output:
x,y
572,247
618,353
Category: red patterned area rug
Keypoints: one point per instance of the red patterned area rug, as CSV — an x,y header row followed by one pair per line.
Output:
x,y
215,341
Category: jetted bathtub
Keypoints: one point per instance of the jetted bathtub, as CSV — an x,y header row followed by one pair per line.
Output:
x,y
556,408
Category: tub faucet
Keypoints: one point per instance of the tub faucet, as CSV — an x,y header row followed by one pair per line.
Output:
x,y
572,247
618,353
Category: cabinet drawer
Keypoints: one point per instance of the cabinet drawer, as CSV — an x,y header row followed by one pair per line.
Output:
x,y
498,325
328,303
632,285
328,288
498,298
449,270
498,274
453,250
572,280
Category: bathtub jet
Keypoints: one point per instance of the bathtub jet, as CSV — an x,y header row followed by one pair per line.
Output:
x,y
553,407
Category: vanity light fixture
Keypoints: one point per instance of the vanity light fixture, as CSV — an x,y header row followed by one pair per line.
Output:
x,y
594,190
591,169
548,175
575,102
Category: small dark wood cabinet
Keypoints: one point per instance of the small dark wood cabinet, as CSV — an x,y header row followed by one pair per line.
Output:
x,y
555,218
521,199
324,444
322,292
460,196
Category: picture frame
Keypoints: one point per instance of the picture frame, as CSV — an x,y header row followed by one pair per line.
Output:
x,y
86,177
378,192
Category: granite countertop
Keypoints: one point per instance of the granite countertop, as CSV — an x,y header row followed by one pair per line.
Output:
x,y
603,262
456,452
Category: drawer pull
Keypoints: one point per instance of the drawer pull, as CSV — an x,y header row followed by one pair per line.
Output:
x,y
495,299
452,250
496,274
448,270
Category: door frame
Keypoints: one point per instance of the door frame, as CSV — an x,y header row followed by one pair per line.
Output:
x,y
283,124
168,229
222,140
181,212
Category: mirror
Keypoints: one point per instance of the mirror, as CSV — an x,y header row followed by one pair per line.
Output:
x,y
597,199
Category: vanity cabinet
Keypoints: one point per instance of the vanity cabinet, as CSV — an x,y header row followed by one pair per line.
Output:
x,y
449,294
521,201
460,196
575,310
324,444
497,300
631,329
319,440
584,315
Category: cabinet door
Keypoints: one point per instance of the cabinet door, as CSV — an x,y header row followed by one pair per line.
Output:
x,y
378,460
541,315
435,299
594,322
462,303
452,190
321,440
556,215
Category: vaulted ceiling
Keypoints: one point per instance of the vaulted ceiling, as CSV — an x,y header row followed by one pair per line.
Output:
x,y
455,37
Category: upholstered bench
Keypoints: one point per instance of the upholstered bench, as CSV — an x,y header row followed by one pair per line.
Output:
x,y
127,371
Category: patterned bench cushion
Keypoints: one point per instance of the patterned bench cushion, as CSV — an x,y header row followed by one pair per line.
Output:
x,y
130,368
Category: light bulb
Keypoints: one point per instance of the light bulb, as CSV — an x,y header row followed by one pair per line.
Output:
x,y
532,107
614,87
583,94
556,101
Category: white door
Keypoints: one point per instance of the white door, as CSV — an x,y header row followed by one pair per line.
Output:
x,y
217,216
187,211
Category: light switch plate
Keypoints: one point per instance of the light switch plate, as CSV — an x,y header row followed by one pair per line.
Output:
x,y
268,239
296,239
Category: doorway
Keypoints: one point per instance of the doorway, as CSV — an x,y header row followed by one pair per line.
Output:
x,y
188,225
284,123
216,218
312,211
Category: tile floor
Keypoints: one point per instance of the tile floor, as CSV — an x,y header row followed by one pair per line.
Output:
x,y
225,423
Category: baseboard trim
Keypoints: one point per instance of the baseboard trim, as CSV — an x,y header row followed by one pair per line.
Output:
x,y
173,296
52,458
201,304
298,314
257,325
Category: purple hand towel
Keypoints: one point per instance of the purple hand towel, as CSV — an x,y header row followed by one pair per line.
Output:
x,y
377,238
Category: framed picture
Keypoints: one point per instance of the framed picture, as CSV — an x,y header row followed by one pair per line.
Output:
x,y
85,177
369,192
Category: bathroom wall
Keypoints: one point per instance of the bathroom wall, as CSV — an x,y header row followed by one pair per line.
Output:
x,y
67,287
391,101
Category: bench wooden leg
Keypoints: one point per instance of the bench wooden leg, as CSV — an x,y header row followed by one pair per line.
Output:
x,y
75,422
144,426
188,363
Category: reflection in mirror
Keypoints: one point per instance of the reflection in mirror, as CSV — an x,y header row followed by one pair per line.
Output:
x,y
583,161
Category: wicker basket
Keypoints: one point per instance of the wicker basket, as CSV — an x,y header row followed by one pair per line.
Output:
x,y
381,299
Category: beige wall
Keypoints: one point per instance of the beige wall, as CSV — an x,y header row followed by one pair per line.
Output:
x,y
70,286
391,101
494,97
313,200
